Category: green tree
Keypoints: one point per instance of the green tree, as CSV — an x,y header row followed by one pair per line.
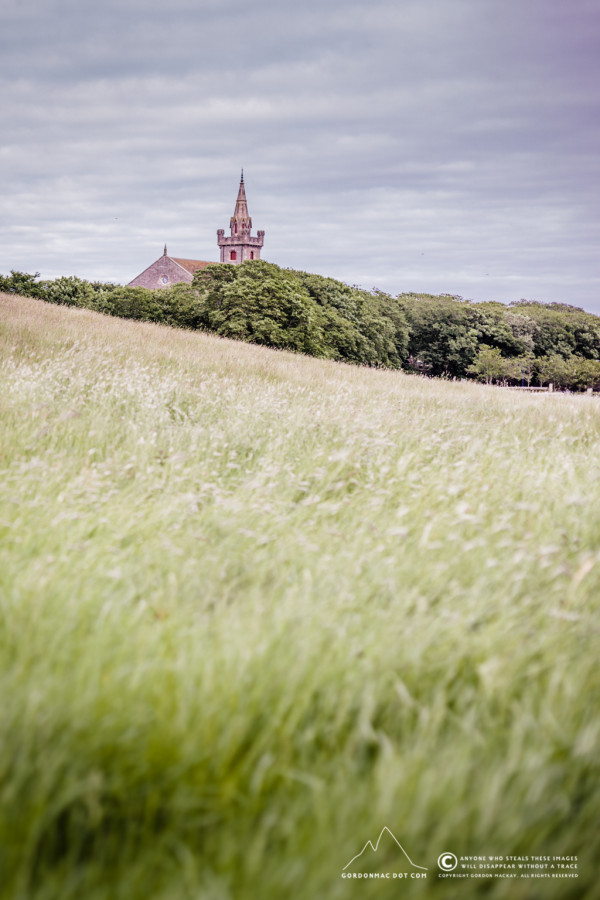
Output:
x,y
69,291
261,303
362,326
442,340
560,329
133,303
525,367
490,366
524,329
585,373
554,369
21,283
180,306
490,323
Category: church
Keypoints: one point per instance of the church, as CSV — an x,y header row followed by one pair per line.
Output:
x,y
237,248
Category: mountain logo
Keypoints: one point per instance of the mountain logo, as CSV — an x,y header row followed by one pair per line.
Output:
x,y
383,831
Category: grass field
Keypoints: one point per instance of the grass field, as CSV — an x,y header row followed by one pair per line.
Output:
x,y
254,607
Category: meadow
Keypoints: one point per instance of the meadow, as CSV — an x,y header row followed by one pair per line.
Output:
x,y
254,607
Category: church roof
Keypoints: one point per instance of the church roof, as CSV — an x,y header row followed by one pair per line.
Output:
x,y
191,265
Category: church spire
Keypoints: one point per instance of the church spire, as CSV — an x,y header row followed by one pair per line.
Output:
x,y
240,222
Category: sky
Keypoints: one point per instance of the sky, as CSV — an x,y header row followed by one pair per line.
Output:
x,y
441,146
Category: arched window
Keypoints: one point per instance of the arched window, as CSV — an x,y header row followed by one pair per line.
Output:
x,y
233,255
235,228
252,254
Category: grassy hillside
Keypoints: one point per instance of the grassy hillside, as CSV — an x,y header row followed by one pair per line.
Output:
x,y
256,606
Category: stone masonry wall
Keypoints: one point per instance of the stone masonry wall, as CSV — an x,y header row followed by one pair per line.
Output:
x,y
161,274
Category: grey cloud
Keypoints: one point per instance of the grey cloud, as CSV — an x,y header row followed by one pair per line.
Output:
x,y
420,145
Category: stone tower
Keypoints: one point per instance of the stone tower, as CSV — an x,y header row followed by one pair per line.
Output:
x,y
241,246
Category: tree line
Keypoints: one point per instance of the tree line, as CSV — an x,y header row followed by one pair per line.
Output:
x,y
523,343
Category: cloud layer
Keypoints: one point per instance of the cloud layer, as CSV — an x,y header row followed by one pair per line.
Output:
x,y
405,145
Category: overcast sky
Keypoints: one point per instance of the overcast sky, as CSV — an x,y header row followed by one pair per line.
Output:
x,y
428,145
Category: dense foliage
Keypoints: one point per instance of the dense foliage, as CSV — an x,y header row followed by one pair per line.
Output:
x,y
523,343
261,303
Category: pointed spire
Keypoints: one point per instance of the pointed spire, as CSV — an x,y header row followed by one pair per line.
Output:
x,y
241,199
165,253
241,221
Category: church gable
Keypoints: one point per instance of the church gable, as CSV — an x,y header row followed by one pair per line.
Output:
x,y
168,270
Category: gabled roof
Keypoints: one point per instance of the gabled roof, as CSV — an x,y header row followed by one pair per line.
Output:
x,y
191,265
168,270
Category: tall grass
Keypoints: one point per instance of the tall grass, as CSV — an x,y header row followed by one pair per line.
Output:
x,y
255,606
